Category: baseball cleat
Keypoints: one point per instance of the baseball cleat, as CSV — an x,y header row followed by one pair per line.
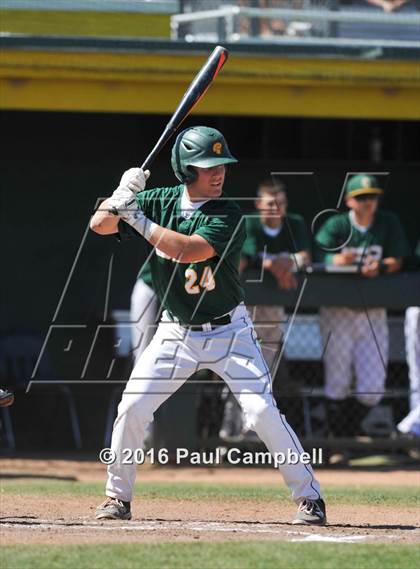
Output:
x,y
6,398
311,513
113,509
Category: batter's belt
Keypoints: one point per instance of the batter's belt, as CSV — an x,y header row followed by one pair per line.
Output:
x,y
207,326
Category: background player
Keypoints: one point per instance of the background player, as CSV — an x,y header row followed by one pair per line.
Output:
x,y
358,338
6,398
198,234
276,242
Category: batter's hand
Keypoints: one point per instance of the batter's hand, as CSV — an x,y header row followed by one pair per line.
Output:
x,y
121,197
134,179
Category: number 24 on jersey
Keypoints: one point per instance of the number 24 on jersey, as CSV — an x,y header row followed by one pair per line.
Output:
x,y
206,282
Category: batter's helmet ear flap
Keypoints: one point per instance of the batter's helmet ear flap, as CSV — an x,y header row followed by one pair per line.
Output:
x,y
187,175
191,176
176,162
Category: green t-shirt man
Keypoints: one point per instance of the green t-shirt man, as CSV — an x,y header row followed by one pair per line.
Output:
x,y
364,235
196,293
277,241
384,238
290,237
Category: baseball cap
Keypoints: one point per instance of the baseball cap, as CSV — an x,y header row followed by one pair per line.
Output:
x,y
363,184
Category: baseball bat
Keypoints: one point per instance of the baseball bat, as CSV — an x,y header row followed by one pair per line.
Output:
x,y
193,94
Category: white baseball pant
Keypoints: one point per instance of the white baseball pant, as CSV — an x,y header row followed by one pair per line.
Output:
x,y
173,355
268,324
355,340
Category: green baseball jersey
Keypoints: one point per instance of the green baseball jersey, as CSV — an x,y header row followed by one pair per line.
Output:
x,y
196,293
145,274
259,244
384,238
291,238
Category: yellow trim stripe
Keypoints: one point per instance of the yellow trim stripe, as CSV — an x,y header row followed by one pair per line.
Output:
x,y
144,82
85,23
363,191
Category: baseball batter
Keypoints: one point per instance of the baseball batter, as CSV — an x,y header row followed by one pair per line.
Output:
x,y
197,233
358,338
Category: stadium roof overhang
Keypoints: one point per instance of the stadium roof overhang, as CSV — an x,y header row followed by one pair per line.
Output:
x,y
320,79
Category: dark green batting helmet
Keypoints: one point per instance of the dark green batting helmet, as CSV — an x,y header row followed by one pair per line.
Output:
x,y
200,146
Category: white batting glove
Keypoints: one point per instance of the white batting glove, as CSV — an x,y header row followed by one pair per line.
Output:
x,y
122,199
124,204
134,179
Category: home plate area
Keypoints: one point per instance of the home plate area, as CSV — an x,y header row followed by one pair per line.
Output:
x,y
37,528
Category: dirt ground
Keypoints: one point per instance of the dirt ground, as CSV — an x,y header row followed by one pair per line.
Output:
x,y
62,519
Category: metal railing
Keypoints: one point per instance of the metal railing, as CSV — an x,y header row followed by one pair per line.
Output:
x,y
165,6
226,19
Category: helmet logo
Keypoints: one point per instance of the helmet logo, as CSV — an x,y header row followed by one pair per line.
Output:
x,y
217,147
365,182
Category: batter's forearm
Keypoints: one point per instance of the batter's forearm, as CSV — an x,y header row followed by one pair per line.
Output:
x,y
103,222
184,248
169,242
